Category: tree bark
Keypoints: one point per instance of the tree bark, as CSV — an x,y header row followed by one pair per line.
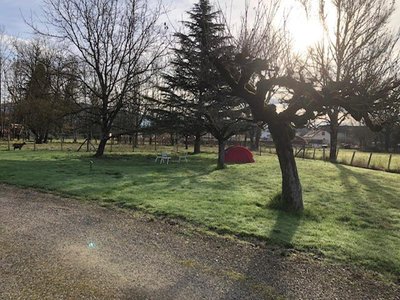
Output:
x,y
221,154
282,135
197,143
334,128
101,147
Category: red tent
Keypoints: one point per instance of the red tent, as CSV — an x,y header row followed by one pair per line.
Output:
x,y
238,155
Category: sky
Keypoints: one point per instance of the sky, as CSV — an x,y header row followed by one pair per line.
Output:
x,y
11,12
304,30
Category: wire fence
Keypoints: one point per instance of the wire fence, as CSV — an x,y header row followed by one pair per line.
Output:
x,y
370,160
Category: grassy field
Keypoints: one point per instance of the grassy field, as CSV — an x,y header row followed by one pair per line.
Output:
x,y
352,214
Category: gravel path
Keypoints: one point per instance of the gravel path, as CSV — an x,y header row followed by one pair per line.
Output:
x,y
57,248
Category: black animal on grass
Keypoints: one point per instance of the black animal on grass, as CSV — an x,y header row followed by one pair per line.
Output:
x,y
18,145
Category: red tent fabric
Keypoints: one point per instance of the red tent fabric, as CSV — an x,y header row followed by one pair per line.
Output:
x,y
238,155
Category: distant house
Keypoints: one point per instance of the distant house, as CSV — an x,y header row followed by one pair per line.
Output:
x,y
317,138
299,141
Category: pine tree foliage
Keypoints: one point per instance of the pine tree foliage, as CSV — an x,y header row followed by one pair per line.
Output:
x,y
194,89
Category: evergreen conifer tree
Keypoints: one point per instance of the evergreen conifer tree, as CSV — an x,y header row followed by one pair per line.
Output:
x,y
195,89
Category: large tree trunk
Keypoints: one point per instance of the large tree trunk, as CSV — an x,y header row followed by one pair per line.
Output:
x,y
221,154
292,197
197,143
101,147
334,128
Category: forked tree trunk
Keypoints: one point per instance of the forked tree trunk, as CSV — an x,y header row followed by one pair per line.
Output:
x,y
291,188
221,155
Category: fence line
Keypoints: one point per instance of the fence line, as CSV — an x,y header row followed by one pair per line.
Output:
x,y
369,160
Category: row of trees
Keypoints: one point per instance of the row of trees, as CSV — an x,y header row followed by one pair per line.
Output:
x,y
117,69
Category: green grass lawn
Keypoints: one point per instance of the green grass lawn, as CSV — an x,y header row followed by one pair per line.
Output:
x,y
352,214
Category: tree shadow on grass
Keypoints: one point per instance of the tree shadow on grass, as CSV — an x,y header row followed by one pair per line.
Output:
x,y
266,272
368,209
373,221
285,228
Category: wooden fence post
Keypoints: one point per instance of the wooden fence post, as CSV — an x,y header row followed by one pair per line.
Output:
x,y
352,158
390,161
313,157
369,160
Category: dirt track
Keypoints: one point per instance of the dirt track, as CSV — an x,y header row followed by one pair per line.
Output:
x,y
56,248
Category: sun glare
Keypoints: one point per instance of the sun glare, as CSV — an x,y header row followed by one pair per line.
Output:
x,y
305,30
305,33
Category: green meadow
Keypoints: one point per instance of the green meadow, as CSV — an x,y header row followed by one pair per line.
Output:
x,y
352,215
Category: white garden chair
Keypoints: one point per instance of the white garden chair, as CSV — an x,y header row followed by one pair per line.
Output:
x,y
165,158
159,156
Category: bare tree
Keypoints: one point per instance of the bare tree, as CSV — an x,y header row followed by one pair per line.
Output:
x,y
42,87
262,50
254,78
358,46
118,42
